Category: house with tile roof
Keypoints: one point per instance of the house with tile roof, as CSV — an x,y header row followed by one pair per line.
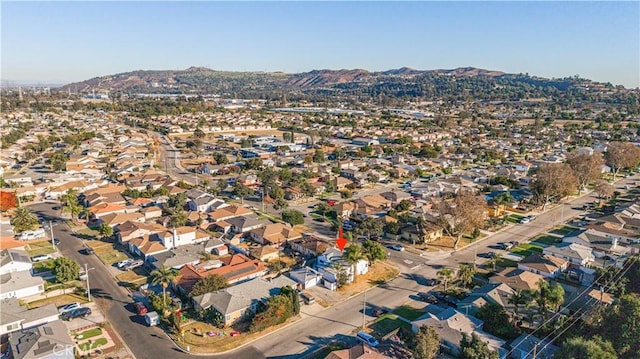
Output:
x,y
309,245
227,212
573,252
130,229
274,234
145,246
115,219
235,268
494,293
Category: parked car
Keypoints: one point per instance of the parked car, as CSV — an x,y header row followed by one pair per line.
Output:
x,y
397,247
69,307
431,281
367,339
123,263
524,220
87,251
380,312
141,309
81,312
307,298
133,264
319,219
56,241
506,245
42,257
429,298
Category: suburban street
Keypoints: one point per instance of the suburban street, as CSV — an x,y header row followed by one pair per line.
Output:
x,y
311,332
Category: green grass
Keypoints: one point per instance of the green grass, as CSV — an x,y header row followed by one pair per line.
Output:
x,y
43,266
514,218
38,248
504,263
89,333
109,255
525,249
388,323
89,232
564,230
94,344
546,239
408,312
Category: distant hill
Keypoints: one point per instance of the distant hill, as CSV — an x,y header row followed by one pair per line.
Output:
x,y
317,85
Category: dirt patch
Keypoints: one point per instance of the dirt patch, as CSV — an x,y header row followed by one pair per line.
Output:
x,y
378,273
446,243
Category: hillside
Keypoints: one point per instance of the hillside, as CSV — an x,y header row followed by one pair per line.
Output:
x,y
357,84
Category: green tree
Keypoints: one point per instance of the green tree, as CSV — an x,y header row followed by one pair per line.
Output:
x,y
71,205
159,302
374,251
319,157
342,278
24,220
277,311
352,255
466,273
163,276
294,298
548,297
519,297
241,191
404,205
369,227
445,275
496,321
463,215
620,325
392,228
209,284
475,348
178,218
426,343
593,348
105,230
292,216
65,269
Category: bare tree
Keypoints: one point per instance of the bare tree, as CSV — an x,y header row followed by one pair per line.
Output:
x,y
620,155
553,180
604,189
462,215
586,167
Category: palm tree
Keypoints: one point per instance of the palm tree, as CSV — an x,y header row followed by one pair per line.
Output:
x,y
520,297
164,276
70,204
494,260
445,275
548,297
24,220
466,273
352,255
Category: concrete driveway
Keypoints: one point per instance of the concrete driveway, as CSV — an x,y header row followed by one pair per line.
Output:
x,y
94,319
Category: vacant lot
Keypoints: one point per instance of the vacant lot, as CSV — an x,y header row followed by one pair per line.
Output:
x,y
378,273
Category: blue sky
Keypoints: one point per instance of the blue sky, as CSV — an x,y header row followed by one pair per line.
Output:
x,y
71,41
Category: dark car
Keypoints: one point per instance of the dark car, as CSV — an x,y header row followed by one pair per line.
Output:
x,y
81,312
431,281
429,298
87,251
56,241
319,219
380,312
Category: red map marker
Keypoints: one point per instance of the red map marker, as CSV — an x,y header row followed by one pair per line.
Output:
x,y
341,242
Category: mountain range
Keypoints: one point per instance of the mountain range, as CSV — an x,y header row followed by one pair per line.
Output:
x,y
356,84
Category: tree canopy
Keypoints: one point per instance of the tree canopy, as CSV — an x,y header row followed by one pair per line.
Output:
x,y
209,284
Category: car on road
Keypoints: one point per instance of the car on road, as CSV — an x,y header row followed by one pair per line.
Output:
x,y
87,251
490,254
506,245
69,307
55,241
123,263
431,281
524,220
42,257
319,219
397,247
81,312
429,298
141,309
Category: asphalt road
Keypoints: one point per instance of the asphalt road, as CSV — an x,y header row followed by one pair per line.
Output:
x,y
306,335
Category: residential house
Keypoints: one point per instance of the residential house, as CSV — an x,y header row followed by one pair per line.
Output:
x,y
151,212
450,324
427,233
205,203
274,233
115,219
14,260
227,212
20,284
527,346
47,341
305,277
235,268
183,236
241,300
309,245
602,244
246,223
546,265
494,293
264,253
176,258
340,183
216,246
100,210
395,197
575,253
332,258
145,246
345,209
359,351
16,317
129,230
518,279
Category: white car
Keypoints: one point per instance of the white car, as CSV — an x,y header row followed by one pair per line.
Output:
x,y
42,257
123,263
69,307
525,220
397,247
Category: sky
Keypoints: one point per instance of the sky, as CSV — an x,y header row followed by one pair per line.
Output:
x,y
62,42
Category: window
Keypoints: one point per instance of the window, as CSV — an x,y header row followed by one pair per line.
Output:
x,y
13,326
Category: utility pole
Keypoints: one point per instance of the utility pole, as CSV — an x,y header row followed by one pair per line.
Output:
x,y
86,272
364,307
53,240
535,350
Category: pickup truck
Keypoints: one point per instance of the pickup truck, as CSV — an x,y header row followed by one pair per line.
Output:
x,y
133,264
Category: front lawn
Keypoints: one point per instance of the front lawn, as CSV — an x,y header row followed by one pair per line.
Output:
x,y
58,300
526,249
564,230
505,263
408,312
388,323
109,255
95,344
546,239
131,279
38,248
89,333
